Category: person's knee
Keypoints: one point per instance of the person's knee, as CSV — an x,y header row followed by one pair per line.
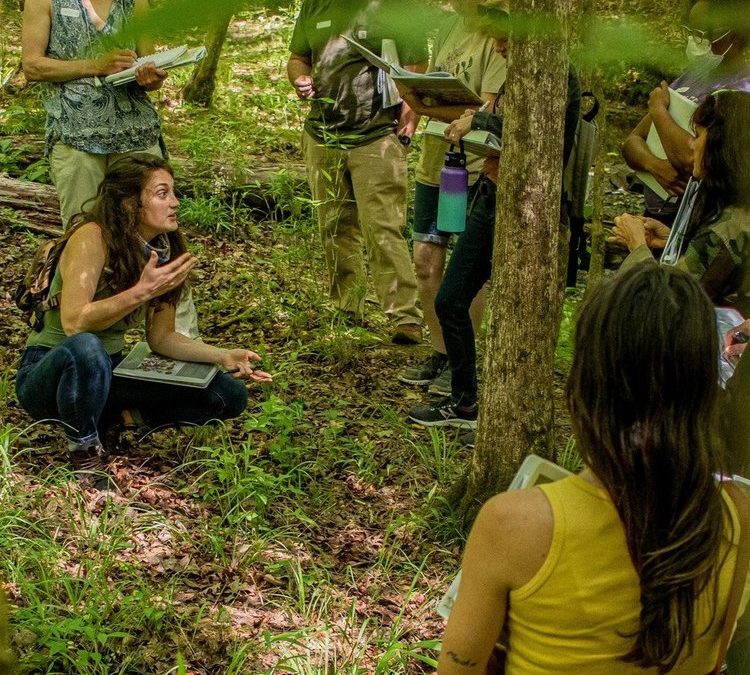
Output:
x,y
429,261
88,353
449,306
233,394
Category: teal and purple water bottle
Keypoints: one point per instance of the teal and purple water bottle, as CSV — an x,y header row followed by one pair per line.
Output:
x,y
454,189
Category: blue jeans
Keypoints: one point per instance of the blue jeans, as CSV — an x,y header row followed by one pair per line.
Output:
x,y
73,383
468,270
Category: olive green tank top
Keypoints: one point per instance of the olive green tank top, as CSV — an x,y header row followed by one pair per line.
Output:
x,y
52,334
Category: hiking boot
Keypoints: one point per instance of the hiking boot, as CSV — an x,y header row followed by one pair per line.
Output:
x,y
90,467
468,439
425,372
445,413
441,385
407,334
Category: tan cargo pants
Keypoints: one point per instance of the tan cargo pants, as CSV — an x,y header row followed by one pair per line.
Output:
x,y
360,196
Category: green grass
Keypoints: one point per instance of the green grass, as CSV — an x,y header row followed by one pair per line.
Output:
x,y
310,536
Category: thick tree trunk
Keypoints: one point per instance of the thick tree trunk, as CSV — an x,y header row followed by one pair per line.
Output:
x,y
516,414
35,205
200,88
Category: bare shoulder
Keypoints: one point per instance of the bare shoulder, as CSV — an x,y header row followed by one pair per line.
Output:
x,y
90,231
86,240
521,522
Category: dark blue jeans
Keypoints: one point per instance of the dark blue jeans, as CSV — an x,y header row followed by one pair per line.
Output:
x,y
469,268
73,383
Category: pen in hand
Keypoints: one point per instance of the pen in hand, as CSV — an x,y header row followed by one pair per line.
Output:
x,y
484,106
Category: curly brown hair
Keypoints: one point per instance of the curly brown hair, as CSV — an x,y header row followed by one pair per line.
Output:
x,y
115,209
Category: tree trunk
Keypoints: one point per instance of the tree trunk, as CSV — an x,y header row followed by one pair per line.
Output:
x,y
598,234
516,413
200,88
25,203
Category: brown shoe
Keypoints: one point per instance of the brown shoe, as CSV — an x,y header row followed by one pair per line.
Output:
x,y
407,334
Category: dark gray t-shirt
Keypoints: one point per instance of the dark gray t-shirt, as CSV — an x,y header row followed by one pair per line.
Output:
x,y
348,106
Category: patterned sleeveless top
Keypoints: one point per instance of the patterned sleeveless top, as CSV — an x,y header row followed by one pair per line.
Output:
x,y
89,114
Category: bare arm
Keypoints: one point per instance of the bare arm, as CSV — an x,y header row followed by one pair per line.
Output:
x,y
163,339
81,266
506,547
674,139
639,157
298,70
444,113
37,66
409,120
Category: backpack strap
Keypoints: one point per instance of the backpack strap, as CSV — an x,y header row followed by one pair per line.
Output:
x,y
593,110
740,571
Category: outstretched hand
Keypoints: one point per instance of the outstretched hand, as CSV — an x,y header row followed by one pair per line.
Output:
x,y
240,362
156,280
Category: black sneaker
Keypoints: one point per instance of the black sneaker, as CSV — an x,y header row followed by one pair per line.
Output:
x,y
425,372
445,413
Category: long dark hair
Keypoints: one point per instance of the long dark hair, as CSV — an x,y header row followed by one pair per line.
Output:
x,y
726,163
115,209
642,394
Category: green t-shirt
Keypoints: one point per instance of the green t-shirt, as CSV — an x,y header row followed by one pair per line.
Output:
x,y
473,58
52,334
348,107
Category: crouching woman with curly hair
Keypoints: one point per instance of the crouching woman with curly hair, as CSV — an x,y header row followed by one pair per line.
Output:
x,y
123,263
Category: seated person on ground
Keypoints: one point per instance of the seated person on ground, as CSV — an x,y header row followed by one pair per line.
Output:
x,y
717,240
716,54
124,262
627,567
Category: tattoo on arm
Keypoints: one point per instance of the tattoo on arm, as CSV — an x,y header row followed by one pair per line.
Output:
x,y
459,661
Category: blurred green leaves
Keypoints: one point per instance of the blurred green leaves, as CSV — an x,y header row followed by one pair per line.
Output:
x,y
606,43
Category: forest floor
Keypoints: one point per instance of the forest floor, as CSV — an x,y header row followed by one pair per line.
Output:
x,y
311,535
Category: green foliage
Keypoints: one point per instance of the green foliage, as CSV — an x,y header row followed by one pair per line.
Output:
x,y
12,161
565,339
212,214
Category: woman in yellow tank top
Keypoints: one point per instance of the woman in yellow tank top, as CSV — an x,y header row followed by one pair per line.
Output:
x,y
625,568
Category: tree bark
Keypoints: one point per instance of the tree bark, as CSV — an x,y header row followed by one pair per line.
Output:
x,y
29,204
200,88
598,234
516,410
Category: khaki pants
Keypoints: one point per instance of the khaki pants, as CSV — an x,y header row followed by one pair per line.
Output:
x,y
77,175
360,195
